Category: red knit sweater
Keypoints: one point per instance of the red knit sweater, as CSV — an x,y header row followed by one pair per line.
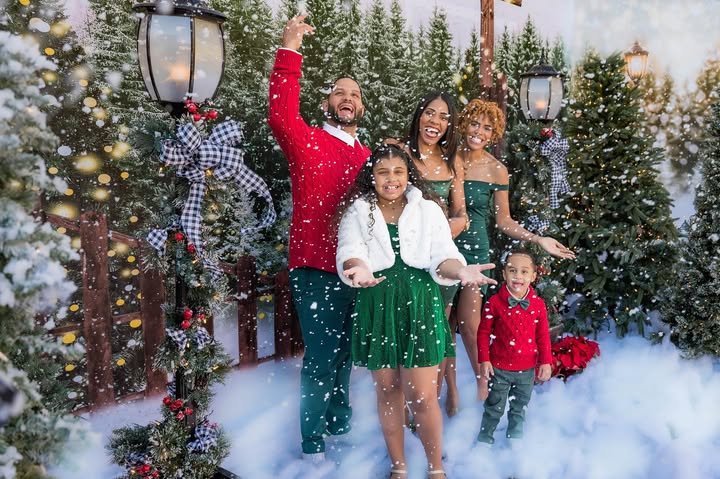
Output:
x,y
322,168
520,338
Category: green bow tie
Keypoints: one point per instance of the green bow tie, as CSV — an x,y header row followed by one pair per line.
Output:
x,y
524,303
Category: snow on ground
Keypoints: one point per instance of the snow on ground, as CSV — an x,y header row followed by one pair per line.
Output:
x,y
638,411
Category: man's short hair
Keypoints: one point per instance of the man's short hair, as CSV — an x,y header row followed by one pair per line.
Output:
x,y
329,85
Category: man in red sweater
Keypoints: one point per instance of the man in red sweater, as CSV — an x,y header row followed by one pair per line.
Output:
x,y
516,320
323,164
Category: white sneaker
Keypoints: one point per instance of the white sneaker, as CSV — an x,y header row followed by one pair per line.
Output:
x,y
315,458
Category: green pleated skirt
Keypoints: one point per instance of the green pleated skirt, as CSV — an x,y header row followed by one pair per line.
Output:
x,y
401,321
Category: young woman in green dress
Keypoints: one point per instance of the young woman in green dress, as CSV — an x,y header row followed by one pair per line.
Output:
x,y
432,143
395,243
485,181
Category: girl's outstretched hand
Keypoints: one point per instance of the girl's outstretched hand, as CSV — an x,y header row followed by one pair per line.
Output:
x,y
555,248
471,275
362,277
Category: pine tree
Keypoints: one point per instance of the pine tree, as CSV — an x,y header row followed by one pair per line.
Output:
x,y
692,308
380,83
469,73
618,218
515,56
438,54
33,428
320,63
688,129
402,83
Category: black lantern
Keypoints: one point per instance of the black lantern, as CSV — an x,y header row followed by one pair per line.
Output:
x,y
636,61
541,92
181,50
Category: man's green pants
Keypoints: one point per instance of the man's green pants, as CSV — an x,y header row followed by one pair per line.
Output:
x,y
324,305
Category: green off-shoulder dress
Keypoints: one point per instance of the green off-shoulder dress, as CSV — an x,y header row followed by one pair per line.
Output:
x,y
474,244
400,322
442,189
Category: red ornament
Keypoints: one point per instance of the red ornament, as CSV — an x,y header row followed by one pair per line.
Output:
x,y
546,133
185,324
176,404
192,107
167,400
188,411
196,117
191,248
144,469
212,114
187,314
155,474
180,416
179,236
201,317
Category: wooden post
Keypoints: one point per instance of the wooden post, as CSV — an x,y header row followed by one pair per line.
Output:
x,y
487,46
283,316
152,288
247,310
97,321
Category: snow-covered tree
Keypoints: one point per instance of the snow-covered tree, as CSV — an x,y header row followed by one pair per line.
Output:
x,y
468,76
692,308
33,428
438,56
618,218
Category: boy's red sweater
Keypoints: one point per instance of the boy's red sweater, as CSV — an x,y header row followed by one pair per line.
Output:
x,y
520,338
322,168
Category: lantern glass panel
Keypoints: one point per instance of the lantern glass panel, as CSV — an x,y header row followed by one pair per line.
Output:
x,y
143,57
636,66
538,96
170,52
556,95
208,59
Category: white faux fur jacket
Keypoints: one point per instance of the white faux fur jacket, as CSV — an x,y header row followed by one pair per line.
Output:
x,y
425,238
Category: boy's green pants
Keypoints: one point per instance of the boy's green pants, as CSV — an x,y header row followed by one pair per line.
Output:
x,y
518,385
324,305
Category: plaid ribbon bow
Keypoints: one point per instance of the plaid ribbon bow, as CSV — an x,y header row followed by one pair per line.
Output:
x,y
201,338
193,155
206,436
556,149
136,458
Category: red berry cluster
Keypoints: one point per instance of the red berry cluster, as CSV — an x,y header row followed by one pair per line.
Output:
x,y
546,133
197,115
190,248
146,470
188,316
177,406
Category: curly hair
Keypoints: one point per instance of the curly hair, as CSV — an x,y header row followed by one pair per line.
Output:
x,y
364,186
477,108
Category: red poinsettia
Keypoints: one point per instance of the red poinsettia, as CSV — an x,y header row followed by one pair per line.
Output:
x,y
572,354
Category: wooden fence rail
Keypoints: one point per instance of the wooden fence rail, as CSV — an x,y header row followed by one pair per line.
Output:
x,y
98,320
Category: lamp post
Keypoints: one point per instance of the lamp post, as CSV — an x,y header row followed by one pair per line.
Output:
x,y
541,92
636,60
181,51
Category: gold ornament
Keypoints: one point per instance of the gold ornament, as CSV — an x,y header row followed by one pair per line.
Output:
x,y
68,338
104,179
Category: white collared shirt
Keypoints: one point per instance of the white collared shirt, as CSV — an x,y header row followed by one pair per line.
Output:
x,y
340,134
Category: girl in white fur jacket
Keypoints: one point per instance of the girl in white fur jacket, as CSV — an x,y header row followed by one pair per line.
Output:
x,y
395,243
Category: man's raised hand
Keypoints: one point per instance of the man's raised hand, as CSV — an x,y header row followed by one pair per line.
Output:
x,y
294,31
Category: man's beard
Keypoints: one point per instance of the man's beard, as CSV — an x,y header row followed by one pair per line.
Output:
x,y
332,114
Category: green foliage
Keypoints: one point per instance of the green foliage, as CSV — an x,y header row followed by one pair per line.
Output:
x,y
692,308
618,218
32,278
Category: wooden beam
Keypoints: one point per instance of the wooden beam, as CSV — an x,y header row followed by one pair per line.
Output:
x,y
152,288
487,44
97,321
